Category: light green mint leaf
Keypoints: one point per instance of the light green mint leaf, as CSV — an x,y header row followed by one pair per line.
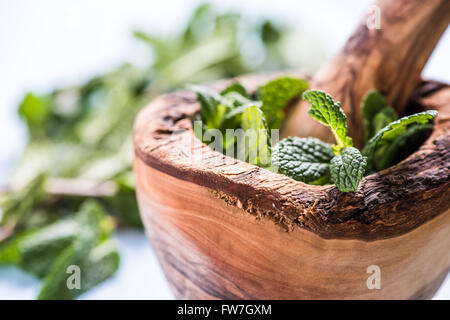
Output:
x,y
236,87
393,130
276,94
10,247
35,109
303,159
232,119
328,112
347,169
376,113
256,131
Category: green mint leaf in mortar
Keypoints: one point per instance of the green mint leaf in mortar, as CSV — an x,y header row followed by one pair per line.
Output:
x,y
276,94
392,131
303,159
256,131
347,169
325,110
382,119
376,113
235,87
401,146
214,106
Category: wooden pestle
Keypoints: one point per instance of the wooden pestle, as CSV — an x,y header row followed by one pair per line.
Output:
x,y
389,59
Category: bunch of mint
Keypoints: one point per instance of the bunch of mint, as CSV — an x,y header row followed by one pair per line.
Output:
x,y
83,239
255,114
311,160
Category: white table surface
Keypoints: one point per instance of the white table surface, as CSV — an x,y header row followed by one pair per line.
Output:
x,y
51,42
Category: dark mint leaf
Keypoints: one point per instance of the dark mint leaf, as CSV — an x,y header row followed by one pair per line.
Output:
x,y
392,131
382,119
96,264
376,113
91,251
276,94
39,250
402,146
325,110
347,169
303,159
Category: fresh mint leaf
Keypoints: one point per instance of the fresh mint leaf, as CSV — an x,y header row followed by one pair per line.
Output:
x,y
303,159
236,99
376,113
382,119
214,106
347,169
233,118
328,112
34,110
401,146
256,131
10,247
17,207
392,131
39,250
236,87
91,250
96,264
276,94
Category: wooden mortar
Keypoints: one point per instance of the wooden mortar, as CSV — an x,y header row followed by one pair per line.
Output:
x,y
226,229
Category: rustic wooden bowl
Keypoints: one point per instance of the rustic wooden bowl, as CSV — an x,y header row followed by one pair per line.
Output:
x,y
233,230
223,228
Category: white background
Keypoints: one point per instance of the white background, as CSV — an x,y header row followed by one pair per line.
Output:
x,y
50,43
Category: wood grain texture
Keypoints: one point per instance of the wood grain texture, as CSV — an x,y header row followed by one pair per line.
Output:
x,y
223,228
209,249
389,59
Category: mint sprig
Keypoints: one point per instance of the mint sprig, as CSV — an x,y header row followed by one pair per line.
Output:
x,y
348,165
328,112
